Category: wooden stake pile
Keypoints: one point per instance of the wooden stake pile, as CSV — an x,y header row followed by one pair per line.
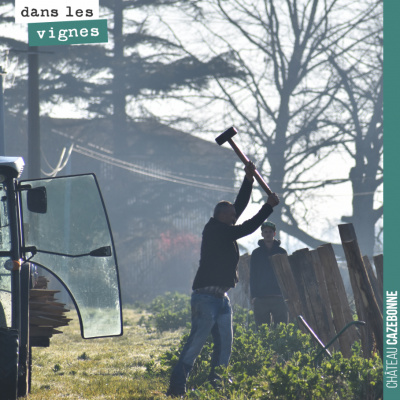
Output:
x,y
315,280
45,314
312,286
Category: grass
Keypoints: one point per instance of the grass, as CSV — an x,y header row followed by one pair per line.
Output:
x,y
115,368
109,368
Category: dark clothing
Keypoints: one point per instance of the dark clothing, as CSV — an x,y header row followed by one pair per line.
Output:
x,y
211,312
264,307
263,282
219,255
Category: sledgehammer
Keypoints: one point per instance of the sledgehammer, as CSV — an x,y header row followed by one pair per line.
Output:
x,y
227,137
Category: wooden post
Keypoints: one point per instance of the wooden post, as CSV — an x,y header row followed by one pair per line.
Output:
x,y
301,284
319,272
302,262
287,284
338,298
244,276
378,261
347,233
241,293
374,282
366,305
369,303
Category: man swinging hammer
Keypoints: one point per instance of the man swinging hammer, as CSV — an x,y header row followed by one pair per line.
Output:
x,y
217,273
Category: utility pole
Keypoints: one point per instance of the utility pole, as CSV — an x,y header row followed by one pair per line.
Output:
x,y
33,114
2,133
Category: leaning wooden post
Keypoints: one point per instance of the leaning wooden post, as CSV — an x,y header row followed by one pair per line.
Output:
x,y
366,304
374,282
319,272
347,233
287,284
372,311
338,298
304,263
378,261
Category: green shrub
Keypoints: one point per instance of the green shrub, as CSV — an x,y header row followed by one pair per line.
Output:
x,y
167,320
243,317
169,302
170,312
279,364
271,364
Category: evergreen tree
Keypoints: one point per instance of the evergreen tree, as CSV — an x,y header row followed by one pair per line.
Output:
x,y
103,79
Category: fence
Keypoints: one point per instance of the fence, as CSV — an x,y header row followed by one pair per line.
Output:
x,y
313,287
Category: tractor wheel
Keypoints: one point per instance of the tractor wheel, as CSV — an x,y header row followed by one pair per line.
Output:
x,y
8,363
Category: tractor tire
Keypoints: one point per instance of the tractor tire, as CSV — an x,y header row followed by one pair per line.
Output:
x,y
8,363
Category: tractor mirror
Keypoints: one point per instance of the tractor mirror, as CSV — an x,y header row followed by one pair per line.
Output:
x,y
101,252
37,200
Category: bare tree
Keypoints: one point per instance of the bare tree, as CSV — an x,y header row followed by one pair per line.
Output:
x,y
284,102
360,103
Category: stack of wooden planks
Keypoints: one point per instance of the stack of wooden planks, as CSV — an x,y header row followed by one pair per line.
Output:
x,y
45,314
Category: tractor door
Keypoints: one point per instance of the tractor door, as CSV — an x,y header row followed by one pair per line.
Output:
x,y
66,231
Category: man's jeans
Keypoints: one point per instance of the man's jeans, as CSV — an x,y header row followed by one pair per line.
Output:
x,y
209,314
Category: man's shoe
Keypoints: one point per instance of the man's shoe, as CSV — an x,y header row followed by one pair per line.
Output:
x,y
176,392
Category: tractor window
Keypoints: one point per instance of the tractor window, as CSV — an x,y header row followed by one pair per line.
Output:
x,y
5,231
5,275
76,223
5,294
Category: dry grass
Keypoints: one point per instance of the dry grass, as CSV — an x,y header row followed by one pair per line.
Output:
x,y
110,368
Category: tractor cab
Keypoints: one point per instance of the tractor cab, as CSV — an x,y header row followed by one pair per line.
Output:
x,y
61,225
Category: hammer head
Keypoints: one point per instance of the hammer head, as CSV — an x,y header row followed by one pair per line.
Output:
x,y
228,134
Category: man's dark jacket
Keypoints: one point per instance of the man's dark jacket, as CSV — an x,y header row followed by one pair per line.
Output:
x,y
219,254
263,282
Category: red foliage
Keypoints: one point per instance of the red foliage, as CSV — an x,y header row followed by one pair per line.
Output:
x,y
182,245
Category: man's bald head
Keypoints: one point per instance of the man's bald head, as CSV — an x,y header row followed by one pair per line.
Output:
x,y
225,212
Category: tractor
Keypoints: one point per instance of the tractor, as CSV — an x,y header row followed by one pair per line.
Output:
x,y
59,224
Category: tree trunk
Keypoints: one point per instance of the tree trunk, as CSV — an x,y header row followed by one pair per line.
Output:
x,y
363,218
118,96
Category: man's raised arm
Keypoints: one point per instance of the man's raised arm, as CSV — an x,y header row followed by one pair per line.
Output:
x,y
249,226
244,194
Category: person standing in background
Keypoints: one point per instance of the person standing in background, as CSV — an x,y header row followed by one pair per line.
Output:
x,y
264,288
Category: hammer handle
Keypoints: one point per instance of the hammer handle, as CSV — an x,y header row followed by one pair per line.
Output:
x,y
245,160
